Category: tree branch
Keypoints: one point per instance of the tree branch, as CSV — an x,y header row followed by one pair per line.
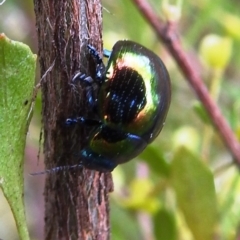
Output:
x,y
168,35
76,201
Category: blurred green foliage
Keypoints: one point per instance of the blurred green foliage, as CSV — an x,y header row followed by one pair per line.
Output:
x,y
185,187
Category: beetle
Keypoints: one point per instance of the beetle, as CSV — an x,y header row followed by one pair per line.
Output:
x,y
132,102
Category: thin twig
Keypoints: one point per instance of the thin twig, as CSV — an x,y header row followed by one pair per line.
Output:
x,y
168,35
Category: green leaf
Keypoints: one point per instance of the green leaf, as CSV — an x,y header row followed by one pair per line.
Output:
x,y
155,159
164,225
17,75
194,186
123,224
140,197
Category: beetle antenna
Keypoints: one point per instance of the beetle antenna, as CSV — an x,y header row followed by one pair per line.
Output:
x,y
56,169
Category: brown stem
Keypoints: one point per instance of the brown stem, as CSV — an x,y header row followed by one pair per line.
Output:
x,y
168,35
76,201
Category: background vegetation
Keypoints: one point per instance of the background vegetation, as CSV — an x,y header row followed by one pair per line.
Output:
x,y
185,187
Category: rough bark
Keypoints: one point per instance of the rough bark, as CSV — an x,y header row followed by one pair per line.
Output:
x,y
76,201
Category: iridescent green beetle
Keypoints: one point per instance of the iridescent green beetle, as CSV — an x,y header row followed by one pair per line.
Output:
x,y
132,103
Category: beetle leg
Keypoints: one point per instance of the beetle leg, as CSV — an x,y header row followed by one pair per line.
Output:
x,y
82,77
95,54
100,68
89,90
82,120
